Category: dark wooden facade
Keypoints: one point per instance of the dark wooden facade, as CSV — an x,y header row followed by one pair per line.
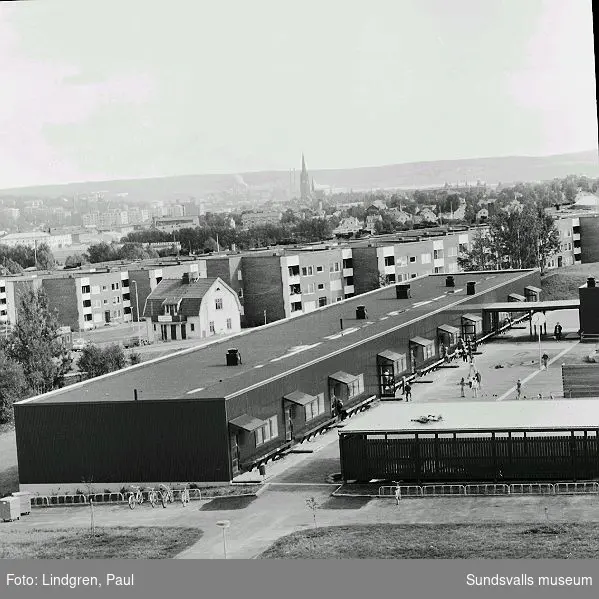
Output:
x,y
455,456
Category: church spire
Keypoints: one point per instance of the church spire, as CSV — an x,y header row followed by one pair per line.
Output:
x,y
304,181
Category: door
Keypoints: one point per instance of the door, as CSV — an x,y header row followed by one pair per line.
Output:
x,y
173,332
560,261
234,440
386,380
163,332
288,423
107,316
183,332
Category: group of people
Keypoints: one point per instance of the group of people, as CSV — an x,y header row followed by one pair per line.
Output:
x,y
464,350
473,381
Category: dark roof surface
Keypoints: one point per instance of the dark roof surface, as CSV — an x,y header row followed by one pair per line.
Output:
x,y
173,291
275,349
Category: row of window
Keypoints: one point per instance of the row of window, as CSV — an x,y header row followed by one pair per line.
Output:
x,y
213,329
425,258
113,314
96,288
99,303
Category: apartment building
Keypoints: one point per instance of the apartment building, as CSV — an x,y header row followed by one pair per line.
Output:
x,y
388,261
284,284
88,300
11,289
569,243
33,238
168,224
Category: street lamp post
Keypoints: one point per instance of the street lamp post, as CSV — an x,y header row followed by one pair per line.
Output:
x,y
224,524
538,319
137,308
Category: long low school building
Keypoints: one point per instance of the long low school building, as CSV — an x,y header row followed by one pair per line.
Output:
x,y
209,413
482,442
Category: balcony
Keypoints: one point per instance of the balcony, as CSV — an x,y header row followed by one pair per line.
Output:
x,y
348,289
126,303
390,270
577,249
439,262
86,296
294,280
295,298
576,236
348,272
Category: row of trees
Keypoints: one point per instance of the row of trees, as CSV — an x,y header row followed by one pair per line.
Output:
x,y
524,236
13,260
34,360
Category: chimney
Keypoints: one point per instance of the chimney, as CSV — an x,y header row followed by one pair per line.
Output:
x,y
135,394
450,281
186,278
361,313
402,291
591,282
233,357
470,287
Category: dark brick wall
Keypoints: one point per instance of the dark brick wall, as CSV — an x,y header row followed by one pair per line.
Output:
x,y
263,289
366,269
62,297
589,239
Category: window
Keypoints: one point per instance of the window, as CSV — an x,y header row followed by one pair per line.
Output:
x,y
87,317
229,324
307,271
267,432
116,300
114,286
320,285
439,269
170,309
425,258
158,279
125,283
296,306
334,267
413,275
319,269
437,254
126,297
338,298
294,271
315,408
310,271
211,324
2,289
412,259
193,327
322,301
86,289
389,279
309,288
105,302
390,261
87,303
401,261
104,287
452,252
219,303
127,310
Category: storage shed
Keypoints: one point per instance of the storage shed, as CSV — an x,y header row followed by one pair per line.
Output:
x,y
486,441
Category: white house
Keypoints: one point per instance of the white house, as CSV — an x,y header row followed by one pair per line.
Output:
x,y
192,308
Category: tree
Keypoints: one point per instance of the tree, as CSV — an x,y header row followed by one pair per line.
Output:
x,y
102,252
10,267
480,256
136,251
44,259
547,236
13,385
96,361
75,260
35,343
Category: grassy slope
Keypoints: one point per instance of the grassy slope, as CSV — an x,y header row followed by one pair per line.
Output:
x,y
441,541
117,543
563,283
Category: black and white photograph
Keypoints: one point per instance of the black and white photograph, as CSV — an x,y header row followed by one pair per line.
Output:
x,y
298,281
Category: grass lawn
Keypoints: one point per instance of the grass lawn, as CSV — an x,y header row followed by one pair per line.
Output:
x,y
563,283
77,543
440,541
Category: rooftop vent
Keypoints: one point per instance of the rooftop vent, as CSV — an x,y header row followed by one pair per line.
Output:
x,y
403,291
470,287
450,281
361,313
591,282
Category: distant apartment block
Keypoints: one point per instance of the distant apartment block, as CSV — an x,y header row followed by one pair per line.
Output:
x,y
87,300
257,218
386,262
33,238
11,289
282,285
168,224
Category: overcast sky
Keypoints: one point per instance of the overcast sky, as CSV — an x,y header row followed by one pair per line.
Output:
x,y
137,88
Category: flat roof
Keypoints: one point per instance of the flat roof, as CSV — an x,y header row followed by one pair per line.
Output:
x,y
479,416
271,351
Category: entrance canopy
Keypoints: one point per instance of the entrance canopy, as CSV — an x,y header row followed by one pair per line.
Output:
x,y
300,398
247,423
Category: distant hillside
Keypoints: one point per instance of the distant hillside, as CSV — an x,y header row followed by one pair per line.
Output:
x,y
417,174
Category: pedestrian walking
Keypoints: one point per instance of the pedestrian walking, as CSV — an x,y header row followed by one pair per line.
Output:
x,y
474,387
340,409
518,389
462,386
557,331
408,391
545,361
479,380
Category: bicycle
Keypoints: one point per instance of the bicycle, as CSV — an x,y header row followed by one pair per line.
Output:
x,y
152,497
166,495
185,496
135,497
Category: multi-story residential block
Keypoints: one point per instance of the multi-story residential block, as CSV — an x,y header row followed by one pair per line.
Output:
x,y
90,219
387,261
86,300
287,284
33,238
168,224
569,243
191,307
176,210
